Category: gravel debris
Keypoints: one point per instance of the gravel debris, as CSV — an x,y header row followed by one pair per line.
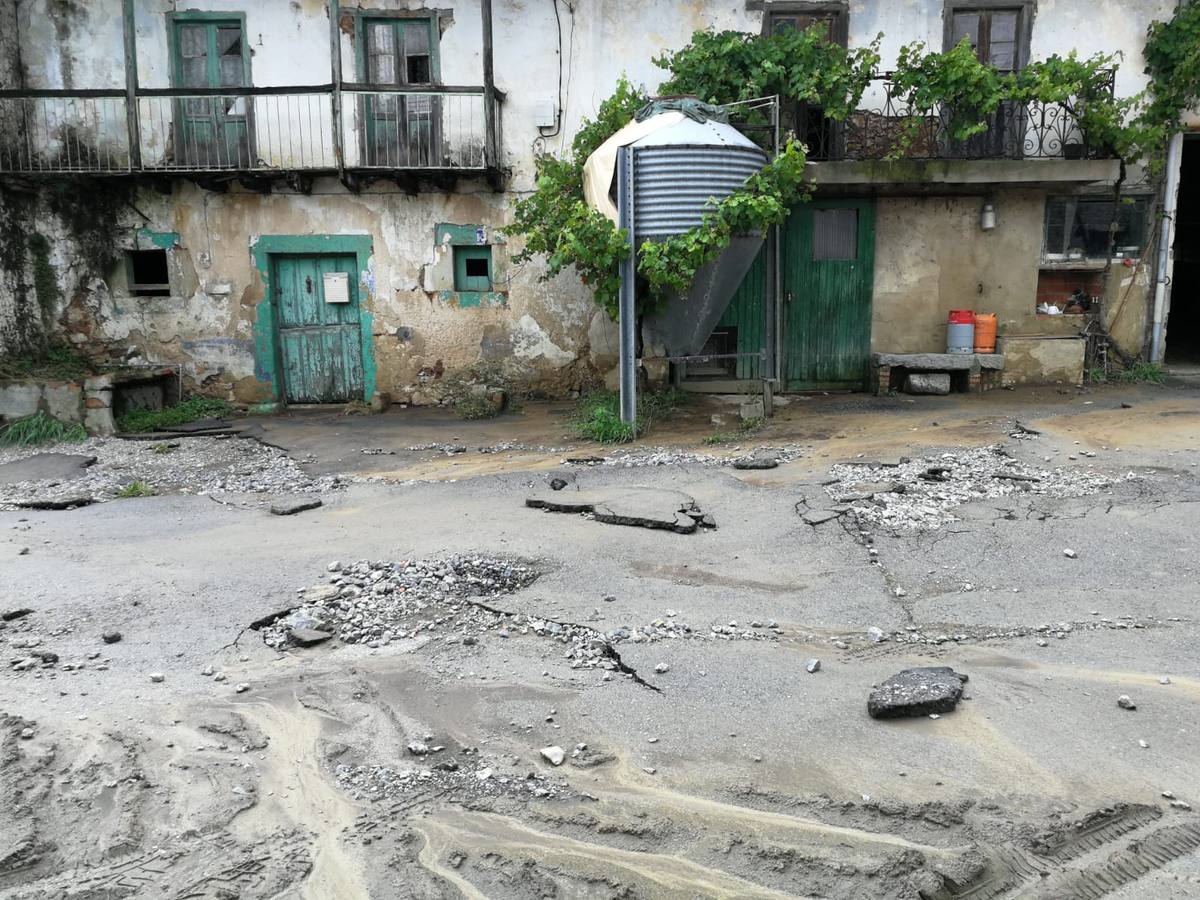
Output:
x,y
450,599
200,465
645,457
460,783
924,493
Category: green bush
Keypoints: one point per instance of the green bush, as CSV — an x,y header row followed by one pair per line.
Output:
x,y
40,429
139,420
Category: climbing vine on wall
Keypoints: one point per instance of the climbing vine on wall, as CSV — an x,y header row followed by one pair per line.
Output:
x,y
728,67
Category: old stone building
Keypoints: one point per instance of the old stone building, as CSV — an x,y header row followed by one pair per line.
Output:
x,y
302,201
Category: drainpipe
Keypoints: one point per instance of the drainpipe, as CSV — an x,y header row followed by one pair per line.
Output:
x,y
1161,289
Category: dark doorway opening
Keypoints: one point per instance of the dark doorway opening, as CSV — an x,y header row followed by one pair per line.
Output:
x,y
1183,322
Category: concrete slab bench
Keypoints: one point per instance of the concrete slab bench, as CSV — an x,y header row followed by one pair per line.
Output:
x,y
969,372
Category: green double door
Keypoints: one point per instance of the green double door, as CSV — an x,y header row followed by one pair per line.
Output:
x,y
320,342
826,267
828,257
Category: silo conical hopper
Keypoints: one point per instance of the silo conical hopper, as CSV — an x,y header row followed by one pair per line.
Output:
x,y
683,162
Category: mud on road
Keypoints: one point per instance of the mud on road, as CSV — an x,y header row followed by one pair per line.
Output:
x,y
402,756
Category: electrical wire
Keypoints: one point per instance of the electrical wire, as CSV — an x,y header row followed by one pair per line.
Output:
x,y
553,131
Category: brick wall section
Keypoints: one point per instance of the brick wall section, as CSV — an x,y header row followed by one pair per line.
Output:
x,y
1056,286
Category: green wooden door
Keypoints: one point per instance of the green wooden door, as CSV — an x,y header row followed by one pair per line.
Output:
x,y
320,343
828,262
745,322
211,131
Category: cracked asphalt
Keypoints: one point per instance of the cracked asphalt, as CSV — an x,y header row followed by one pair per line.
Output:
x,y
742,776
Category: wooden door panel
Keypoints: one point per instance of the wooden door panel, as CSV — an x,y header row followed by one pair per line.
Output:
x,y
828,274
320,343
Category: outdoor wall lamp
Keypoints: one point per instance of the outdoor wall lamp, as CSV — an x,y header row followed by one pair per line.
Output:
x,y
987,218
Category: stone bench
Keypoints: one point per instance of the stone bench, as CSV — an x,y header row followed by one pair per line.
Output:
x,y
968,371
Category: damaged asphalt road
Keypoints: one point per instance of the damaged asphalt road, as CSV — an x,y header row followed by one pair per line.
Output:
x,y
411,763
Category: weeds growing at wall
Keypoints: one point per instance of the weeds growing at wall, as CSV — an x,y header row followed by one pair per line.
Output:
x,y
59,362
598,415
137,421
1137,373
40,429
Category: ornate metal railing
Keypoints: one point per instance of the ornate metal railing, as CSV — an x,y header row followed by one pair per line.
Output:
x,y
256,130
887,126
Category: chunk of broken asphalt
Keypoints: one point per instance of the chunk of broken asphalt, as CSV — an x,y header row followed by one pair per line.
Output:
x,y
916,692
307,637
291,507
55,502
756,462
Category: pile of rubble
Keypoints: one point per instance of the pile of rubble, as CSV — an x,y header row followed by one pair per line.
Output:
x,y
924,493
376,603
647,457
461,783
453,449
198,465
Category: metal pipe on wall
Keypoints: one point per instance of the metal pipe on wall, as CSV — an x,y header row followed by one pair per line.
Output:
x,y
1161,289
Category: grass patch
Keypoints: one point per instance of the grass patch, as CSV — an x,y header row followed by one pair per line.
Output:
x,y
474,406
598,416
136,489
1138,373
55,363
139,420
40,429
746,428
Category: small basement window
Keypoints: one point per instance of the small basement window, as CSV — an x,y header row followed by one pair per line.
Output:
x,y
147,273
472,268
1077,227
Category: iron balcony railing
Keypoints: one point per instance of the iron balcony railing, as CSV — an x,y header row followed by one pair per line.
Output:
x,y
887,126
256,130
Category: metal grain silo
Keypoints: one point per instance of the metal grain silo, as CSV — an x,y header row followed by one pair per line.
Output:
x,y
679,172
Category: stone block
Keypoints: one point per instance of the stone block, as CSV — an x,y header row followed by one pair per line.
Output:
x,y
98,383
380,401
98,400
18,400
99,421
927,383
64,402
752,410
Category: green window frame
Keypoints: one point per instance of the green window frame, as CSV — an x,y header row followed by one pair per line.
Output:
x,y
393,52
473,268
217,74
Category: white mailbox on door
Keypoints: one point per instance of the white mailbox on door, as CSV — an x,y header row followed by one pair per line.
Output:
x,y
337,287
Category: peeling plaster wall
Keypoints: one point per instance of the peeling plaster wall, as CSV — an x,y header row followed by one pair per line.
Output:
x,y
541,333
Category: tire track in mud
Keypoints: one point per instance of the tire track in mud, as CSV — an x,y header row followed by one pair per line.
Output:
x,y
667,875
293,760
